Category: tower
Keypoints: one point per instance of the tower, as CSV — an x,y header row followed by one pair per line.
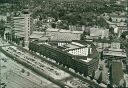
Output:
x,y
27,27
22,26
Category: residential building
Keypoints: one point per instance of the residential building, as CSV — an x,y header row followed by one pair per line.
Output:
x,y
114,50
97,32
115,45
117,21
104,45
76,28
115,53
118,17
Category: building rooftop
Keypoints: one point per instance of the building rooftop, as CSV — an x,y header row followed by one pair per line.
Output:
x,y
36,34
74,45
52,30
65,36
18,17
97,31
56,35
115,52
19,34
118,14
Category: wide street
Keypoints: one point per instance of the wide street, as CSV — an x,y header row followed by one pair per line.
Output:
x,y
13,76
51,72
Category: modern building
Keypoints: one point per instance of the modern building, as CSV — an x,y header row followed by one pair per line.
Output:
x,y
117,21
22,26
76,28
119,17
114,53
116,74
97,32
106,45
52,34
83,58
118,53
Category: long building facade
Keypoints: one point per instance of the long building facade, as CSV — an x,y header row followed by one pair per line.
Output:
x,y
85,65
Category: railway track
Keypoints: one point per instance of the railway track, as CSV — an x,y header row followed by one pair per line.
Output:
x,y
37,69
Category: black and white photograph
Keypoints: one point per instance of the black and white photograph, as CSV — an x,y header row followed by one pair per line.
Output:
x,y
63,43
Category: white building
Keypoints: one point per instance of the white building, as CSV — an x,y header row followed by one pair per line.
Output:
x,y
115,45
97,32
119,17
78,49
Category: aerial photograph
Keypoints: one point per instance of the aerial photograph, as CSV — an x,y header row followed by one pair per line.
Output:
x,y
63,43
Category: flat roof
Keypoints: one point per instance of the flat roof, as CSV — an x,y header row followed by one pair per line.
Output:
x,y
74,45
68,54
115,52
116,72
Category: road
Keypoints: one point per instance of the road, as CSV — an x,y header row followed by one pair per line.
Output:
x,y
47,70
13,77
51,72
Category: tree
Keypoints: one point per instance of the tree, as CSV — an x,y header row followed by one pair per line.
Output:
x,y
2,32
102,22
7,36
53,25
122,83
101,55
110,19
93,75
81,37
22,70
28,73
123,35
109,86
2,28
111,30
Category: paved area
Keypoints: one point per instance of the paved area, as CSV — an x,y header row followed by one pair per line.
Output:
x,y
126,78
42,65
46,68
13,77
76,83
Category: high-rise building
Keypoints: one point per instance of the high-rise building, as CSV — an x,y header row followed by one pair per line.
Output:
x,y
116,75
22,26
